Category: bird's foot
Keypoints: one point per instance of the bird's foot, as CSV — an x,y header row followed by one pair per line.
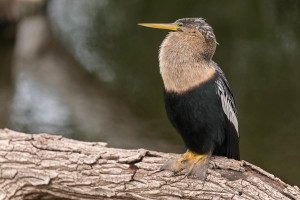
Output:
x,y
195,164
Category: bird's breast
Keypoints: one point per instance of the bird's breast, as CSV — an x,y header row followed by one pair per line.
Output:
x,y
183,78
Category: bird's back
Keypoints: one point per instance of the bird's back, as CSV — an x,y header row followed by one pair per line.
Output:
x,y
230,146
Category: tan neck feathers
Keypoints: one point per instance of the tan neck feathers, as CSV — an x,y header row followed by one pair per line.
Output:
x,y
181,65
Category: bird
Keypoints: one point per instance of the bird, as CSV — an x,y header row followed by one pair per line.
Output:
x,y
198,100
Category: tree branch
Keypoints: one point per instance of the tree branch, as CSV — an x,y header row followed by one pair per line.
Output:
x,y
43,166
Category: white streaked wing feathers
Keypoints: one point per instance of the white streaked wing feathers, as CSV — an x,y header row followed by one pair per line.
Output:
x,y
227,104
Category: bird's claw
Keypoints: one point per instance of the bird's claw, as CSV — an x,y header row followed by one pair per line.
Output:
x,y
195,165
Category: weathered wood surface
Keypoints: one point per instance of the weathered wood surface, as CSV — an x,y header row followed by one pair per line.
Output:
x,y
43,166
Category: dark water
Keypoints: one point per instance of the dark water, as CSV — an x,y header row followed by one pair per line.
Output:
x,y
110,88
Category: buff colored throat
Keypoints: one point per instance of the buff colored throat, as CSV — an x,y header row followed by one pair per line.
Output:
x,y
182,66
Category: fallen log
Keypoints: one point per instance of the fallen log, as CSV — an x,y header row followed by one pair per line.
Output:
x,y
43,166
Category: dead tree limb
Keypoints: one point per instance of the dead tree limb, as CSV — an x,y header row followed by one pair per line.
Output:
x,y
43,166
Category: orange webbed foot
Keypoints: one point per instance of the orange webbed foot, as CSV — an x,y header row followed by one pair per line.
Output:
x,y
195,164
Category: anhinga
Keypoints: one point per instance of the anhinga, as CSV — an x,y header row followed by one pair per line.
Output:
x,y
197,96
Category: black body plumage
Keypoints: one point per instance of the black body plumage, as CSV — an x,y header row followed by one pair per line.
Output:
x,y
200,119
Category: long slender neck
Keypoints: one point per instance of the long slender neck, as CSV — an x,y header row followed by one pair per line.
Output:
x,y
184,61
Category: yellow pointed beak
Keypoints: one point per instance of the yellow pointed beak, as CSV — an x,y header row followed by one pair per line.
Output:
x,y
172,27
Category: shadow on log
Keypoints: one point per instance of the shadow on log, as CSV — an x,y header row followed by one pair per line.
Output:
x,y
42,166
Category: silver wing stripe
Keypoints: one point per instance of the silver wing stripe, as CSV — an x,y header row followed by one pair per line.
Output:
x,y
227,108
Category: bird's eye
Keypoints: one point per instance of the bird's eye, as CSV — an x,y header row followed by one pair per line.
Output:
x,y
180,24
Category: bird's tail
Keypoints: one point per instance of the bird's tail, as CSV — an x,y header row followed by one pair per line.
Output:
x,y
233,149
230,147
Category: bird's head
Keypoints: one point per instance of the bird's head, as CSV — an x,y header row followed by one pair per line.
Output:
x,y
191,27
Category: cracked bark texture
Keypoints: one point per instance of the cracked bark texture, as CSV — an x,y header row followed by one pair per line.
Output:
x,y
42,166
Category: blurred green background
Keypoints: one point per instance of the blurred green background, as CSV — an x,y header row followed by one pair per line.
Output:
x,y
85,70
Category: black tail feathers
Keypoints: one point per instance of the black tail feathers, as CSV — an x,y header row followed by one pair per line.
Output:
x,y
230,147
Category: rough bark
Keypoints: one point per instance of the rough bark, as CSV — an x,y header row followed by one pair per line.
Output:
x,y
42,166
